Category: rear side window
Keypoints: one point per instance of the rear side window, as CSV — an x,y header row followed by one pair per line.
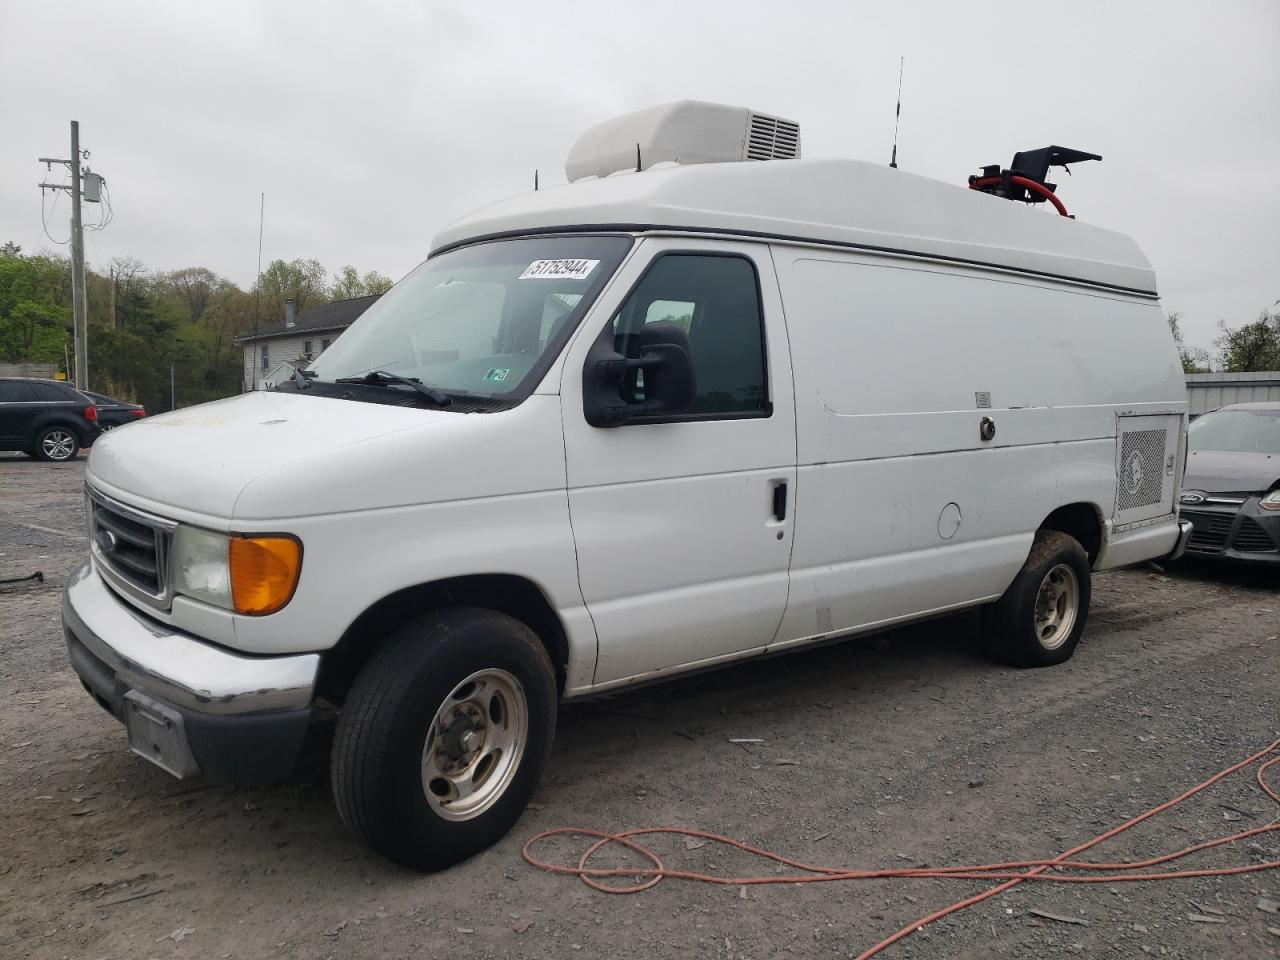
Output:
x,y
717,300
15,391
47,391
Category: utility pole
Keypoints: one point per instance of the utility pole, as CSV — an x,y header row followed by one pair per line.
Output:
x,y
78,306
114,324
257,286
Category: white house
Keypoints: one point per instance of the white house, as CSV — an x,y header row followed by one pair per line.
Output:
x,y
271,353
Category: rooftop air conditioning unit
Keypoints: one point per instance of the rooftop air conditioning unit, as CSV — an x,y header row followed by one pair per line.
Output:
x,y
687,131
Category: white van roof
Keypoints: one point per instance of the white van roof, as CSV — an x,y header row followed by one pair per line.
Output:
x,y
843,202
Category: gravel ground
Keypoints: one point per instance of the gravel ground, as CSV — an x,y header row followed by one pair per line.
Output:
x,y
897,750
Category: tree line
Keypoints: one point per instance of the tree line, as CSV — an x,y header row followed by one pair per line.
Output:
x,y
1248,348
143,322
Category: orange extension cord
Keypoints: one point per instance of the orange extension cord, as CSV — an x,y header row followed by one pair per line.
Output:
x,y
1010,874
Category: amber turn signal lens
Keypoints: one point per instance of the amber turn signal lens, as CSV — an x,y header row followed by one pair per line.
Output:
x,y
264,571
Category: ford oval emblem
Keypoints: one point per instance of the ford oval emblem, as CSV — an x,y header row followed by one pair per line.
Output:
x,y
1192,496
106,540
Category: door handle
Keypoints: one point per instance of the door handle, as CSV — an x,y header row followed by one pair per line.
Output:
x,y
780,501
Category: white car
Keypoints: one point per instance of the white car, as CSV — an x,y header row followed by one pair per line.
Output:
x,y
701,409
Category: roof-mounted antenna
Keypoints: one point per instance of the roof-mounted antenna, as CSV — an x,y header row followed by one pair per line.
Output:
x,y
535,179
897,113
637,158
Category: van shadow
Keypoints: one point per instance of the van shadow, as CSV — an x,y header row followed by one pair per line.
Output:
x,y
915,661
1259,577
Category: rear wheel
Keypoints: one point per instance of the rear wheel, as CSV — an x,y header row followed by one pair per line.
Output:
x,y
444,736
57,444
1041,617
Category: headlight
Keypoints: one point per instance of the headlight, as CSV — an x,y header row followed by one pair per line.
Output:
x,y
1271,501
253,575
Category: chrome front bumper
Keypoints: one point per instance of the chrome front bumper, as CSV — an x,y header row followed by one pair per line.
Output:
x,y
1185,529
190,707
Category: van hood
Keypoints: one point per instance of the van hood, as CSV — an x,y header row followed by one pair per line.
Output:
x,y
1218,471
201,458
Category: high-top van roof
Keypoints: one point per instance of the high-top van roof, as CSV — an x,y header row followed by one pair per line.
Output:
x,y
848,203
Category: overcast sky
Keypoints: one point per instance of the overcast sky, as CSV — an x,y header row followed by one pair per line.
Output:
x,y
370,126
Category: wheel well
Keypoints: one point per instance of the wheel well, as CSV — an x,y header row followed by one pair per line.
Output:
x,y
1080,520
505,593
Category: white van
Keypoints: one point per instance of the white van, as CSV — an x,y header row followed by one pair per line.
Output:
x,y
679,412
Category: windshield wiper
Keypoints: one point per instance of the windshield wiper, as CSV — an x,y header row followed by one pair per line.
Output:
x,y
382,377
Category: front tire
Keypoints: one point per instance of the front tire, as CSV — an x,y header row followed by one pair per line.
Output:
x,y
444,736
1041,617
57,444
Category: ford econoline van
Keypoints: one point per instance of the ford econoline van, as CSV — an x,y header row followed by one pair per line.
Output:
x,y
707,401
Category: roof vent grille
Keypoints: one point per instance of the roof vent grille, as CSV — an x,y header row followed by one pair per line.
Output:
x,y
772,138
684,132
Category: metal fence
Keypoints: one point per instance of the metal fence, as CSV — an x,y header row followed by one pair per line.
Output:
x,y
48,371
1209,391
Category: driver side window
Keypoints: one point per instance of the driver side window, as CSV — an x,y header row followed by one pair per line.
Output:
x,y
716,299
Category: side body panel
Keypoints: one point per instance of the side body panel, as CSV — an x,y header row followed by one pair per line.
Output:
x,y
903,509
680,558
459,495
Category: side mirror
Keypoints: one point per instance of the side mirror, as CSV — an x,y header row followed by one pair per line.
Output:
x,y
669,381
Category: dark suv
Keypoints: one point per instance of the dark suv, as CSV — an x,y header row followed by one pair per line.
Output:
x,y
45,418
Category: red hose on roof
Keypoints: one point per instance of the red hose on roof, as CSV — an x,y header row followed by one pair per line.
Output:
x,y
1018,181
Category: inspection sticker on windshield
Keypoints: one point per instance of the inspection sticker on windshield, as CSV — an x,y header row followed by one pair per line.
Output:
x,y
497,373
559,270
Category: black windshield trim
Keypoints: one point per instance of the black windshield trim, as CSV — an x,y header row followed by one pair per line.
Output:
x,y
399,397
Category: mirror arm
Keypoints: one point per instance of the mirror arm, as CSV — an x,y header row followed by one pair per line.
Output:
x,y
622,364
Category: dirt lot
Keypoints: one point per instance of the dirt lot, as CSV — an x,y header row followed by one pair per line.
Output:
x,y
888,751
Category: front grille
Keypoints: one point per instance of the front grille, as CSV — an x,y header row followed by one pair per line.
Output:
x,y
1251,538
1210,532
1213,533
131,547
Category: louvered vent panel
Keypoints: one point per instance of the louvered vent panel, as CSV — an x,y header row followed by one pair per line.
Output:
x,y
1251,538
771,138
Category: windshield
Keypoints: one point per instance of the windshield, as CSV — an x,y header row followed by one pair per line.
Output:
x,y
1239,431
485,320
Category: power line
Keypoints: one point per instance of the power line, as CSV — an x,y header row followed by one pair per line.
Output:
x,y
45,211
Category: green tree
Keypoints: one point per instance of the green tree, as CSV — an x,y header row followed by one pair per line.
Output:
x,y
229,314
1194,359
1253,346
197,286
35,314
303,281
375,282
347,284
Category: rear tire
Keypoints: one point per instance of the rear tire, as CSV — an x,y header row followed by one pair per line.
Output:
x,y
444,736
57,444
1041,617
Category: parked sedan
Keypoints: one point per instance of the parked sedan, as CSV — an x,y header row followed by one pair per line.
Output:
x,y
45,418
1231,492
115,413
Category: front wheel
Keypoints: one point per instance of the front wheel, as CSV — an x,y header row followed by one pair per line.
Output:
x,y
444,736
1039,620
57,444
